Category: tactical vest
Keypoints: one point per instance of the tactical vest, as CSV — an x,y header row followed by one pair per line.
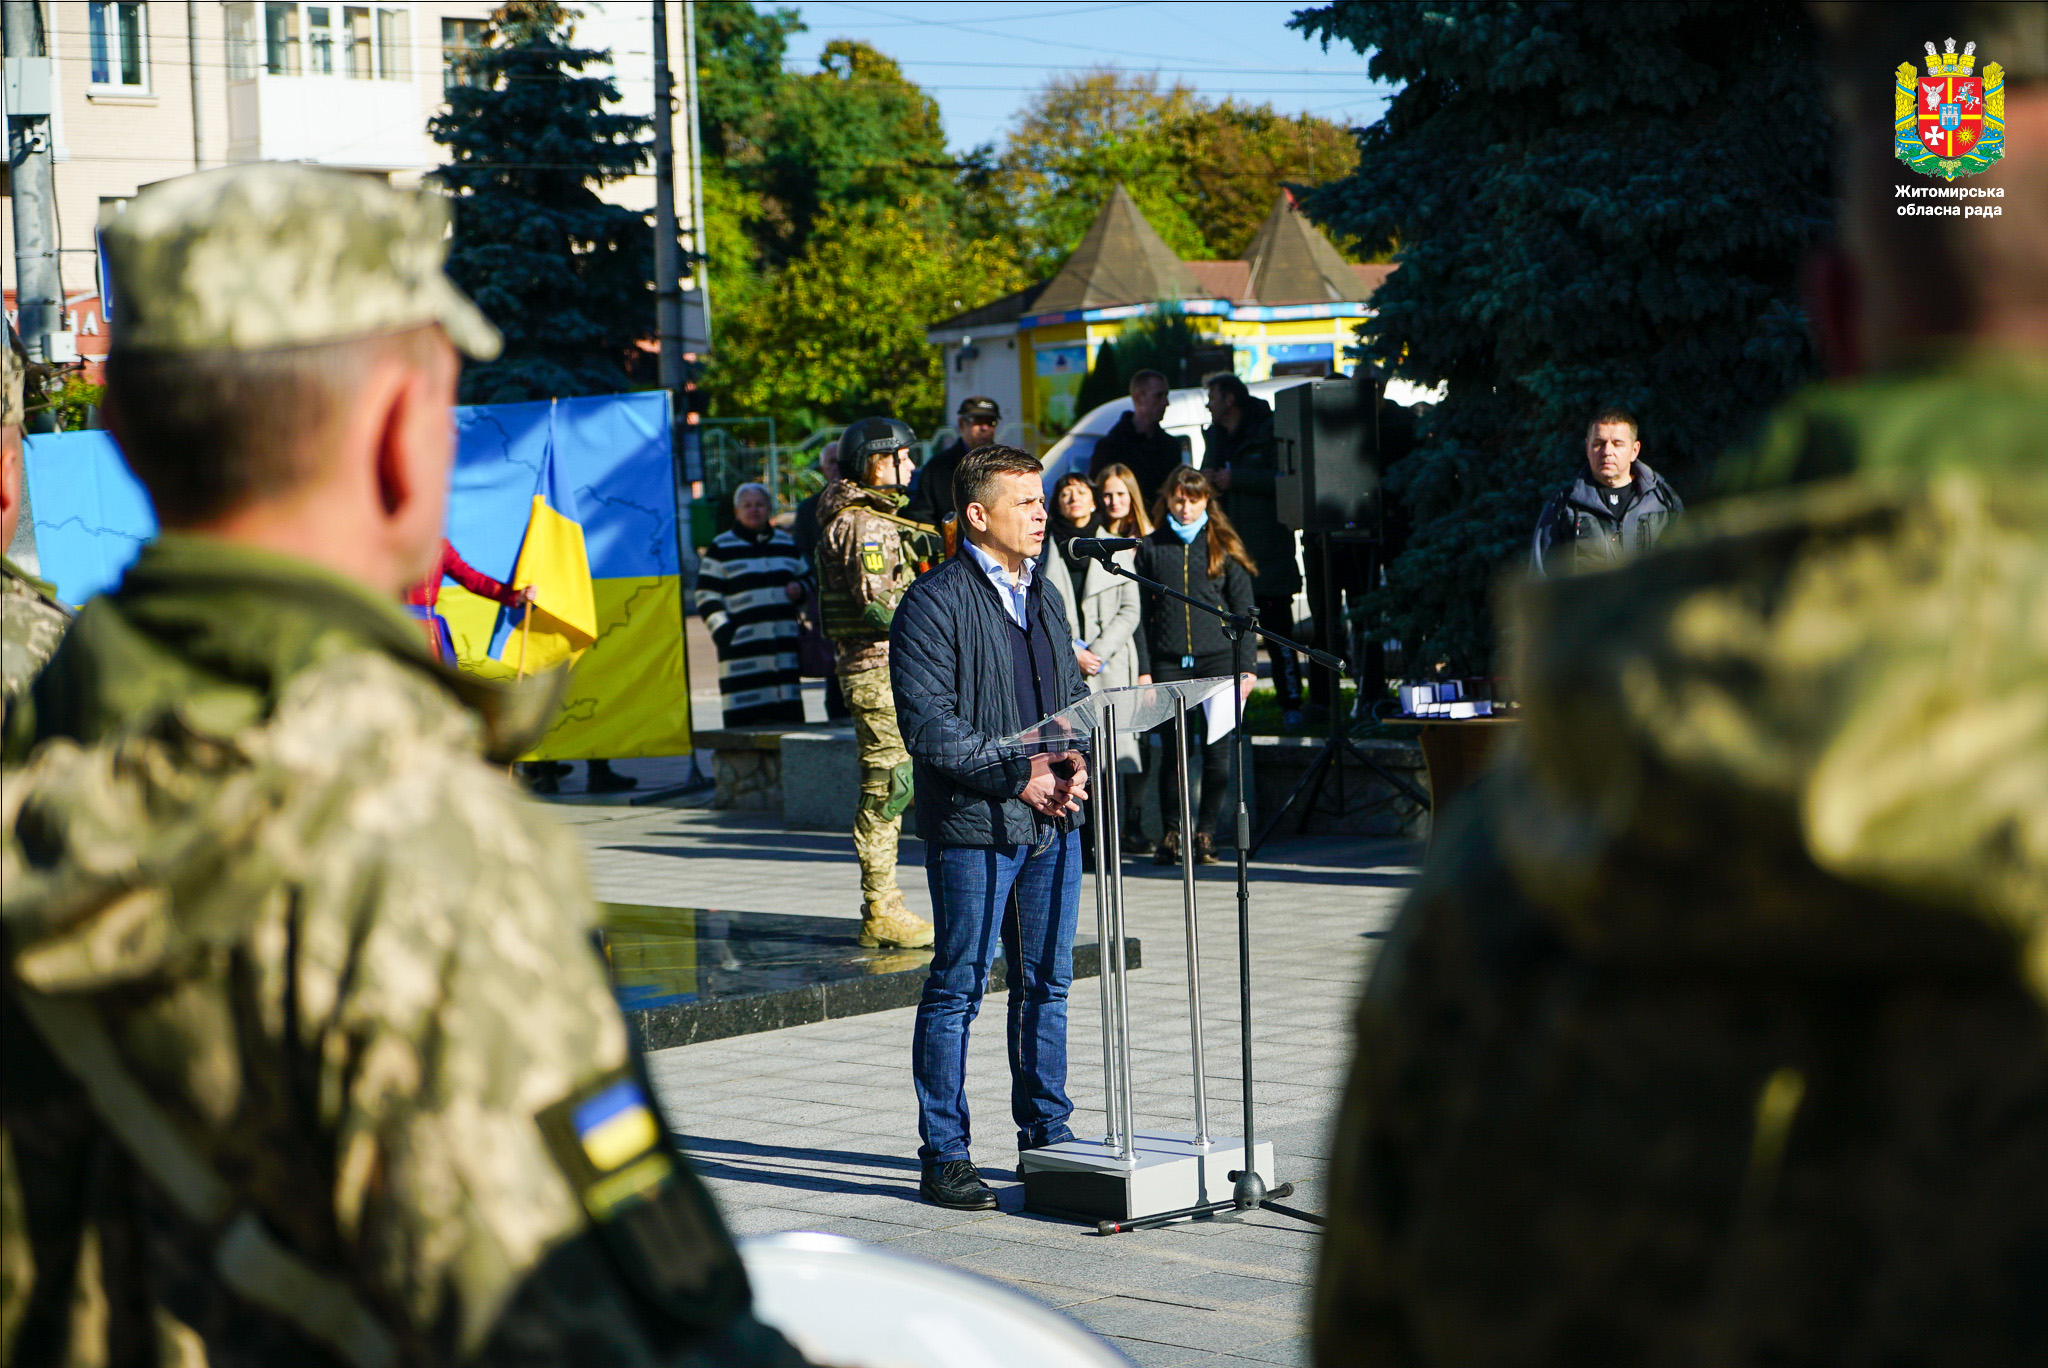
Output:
x,y
844,615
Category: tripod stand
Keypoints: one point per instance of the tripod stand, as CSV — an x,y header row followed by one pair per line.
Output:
x,y
1338,747
1249,1191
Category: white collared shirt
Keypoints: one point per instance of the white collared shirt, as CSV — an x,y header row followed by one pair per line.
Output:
x,y
1012,589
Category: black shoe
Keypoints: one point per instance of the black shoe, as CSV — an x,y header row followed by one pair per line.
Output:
x,y
605,779
955,1184
1168,852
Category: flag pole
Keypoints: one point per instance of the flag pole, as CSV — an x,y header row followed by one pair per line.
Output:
x,y
525,628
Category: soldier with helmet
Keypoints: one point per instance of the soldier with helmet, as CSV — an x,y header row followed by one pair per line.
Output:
x,y
863,569
309,1059
31,619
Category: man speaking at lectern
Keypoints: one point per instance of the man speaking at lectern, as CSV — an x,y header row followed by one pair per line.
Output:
x,y
981,651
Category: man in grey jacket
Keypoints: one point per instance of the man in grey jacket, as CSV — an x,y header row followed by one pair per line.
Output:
x,y
1617,508
981,649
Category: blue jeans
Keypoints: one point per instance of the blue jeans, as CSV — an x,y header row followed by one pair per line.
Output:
x,y
1031,895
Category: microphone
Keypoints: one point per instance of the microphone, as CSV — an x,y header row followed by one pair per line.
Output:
x,y
1100,548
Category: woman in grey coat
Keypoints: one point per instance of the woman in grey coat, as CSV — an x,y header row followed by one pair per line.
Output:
x,y
1103,607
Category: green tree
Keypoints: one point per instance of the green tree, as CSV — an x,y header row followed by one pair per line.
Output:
x,y
740,78
1233,158
740,53
855,132
566,277
1078,138
1594,207
1164,340
1203,174
1105,380
842,328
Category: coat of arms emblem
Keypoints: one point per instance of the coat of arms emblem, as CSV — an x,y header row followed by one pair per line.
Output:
x,y
1950,122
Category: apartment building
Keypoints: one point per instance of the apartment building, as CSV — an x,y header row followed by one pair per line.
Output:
x,y
144,90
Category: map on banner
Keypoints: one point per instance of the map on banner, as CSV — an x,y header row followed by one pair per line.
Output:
x,y
629,695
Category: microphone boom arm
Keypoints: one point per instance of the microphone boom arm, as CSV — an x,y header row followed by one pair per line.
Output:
x,y
1235,624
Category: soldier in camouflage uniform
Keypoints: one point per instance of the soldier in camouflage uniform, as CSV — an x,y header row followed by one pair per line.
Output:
x,y
863,569
31,619
1725,1041
308,1056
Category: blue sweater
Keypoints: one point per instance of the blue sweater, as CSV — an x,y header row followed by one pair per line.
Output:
x,y
954,668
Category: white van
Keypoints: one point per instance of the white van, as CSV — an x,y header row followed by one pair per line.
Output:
x,y
1187,413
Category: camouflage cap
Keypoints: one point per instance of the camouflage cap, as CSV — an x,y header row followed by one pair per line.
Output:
x,y
11,374
277,254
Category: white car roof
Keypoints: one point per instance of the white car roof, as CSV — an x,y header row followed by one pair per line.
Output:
x,y
1187,413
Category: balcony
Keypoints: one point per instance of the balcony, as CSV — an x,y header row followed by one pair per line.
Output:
x,y
328,120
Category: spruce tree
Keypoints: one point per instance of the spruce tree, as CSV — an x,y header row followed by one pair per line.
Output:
x,y
1105,380
1594,205
567,277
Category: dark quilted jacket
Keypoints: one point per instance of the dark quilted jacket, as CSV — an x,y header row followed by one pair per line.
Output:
x,y
950,657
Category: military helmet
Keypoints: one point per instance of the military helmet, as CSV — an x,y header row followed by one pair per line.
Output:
x,y
868,438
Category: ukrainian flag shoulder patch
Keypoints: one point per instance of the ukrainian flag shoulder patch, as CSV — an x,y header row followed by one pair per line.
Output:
x,y
608,1140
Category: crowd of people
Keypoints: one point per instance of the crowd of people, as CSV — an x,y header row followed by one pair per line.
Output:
x,y
1211,532
855,545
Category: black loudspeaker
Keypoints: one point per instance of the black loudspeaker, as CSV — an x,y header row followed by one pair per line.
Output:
x,y
1328,468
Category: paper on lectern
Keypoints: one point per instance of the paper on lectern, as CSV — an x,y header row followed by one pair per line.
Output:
x,y
1219,712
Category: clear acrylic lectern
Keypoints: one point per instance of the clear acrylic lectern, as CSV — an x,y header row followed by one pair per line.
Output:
x,y
1130,1172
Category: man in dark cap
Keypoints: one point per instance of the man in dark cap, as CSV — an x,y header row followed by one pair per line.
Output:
x,y
1724,1040
931,497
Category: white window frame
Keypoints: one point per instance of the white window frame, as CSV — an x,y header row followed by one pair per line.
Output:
x,y
450,77
244,48
105,10
298,53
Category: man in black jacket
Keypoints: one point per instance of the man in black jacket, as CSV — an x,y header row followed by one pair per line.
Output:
x,y
1138,441
980,651
931,496
1617,507
1240,455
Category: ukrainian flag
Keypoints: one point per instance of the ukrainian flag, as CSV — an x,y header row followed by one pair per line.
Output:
x,y
630,693
561,623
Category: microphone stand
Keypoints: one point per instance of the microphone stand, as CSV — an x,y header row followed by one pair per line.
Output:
x,y
1249,1190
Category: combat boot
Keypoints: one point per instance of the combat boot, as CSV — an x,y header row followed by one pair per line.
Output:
x,y
886,922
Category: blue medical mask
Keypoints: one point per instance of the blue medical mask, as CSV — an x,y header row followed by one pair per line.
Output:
x,y
1187,532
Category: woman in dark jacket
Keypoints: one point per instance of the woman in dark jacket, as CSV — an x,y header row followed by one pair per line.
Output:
x,y
1197,551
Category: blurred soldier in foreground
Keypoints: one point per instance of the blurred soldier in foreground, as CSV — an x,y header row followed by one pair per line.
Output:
x,y
31,619
863,569
1725,1041
308,1057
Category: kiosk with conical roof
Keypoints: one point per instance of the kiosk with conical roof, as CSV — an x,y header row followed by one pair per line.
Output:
x,y
1289,306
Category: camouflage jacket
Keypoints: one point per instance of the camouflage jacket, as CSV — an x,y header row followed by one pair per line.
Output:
x,y
31,623
1726,1041
355,1089
863,569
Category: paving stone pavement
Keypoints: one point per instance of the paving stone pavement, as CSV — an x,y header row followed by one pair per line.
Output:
x,y
815,1127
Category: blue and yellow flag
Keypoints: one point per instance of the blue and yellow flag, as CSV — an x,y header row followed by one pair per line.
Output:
x,y
562,621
